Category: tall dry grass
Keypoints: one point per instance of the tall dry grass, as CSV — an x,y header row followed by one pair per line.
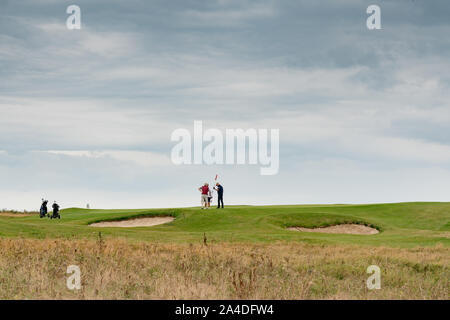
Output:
x,y
117,269
15,213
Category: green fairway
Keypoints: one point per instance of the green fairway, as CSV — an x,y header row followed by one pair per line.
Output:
x,y
400,224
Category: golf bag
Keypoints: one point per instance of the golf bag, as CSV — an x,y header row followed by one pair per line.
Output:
x,y
43,210
55,211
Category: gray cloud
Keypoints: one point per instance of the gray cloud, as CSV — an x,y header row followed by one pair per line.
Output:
x,y
348,101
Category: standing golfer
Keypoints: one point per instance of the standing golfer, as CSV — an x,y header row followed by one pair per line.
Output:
x,y
204,197
210,196
219,190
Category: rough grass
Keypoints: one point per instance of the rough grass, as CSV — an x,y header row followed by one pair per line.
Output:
x,y
120,269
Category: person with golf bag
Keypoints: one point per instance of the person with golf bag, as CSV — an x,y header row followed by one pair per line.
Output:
x,y
43,210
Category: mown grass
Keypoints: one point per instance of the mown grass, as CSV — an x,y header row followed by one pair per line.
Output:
x,y
118,269
401,224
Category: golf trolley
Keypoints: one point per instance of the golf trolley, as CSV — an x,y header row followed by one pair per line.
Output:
x,y
55,214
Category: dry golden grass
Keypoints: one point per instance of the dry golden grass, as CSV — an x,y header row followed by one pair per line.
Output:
x,y
14,213
119,269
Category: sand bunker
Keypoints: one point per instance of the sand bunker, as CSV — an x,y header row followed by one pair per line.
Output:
x,y
340,228
138,222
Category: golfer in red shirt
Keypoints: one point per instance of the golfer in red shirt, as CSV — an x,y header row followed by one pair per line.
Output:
x,y
205,191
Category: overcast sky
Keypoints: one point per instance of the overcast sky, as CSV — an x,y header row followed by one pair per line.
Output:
x,y
86,115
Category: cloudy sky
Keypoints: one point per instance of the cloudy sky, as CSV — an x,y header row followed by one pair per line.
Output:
x,y
86,115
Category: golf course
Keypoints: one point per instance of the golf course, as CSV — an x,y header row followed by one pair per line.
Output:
x,y
240,252
400,224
